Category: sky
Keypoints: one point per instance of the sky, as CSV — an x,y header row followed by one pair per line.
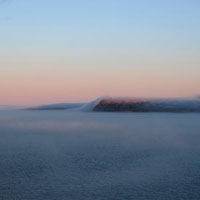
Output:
x,y
55,51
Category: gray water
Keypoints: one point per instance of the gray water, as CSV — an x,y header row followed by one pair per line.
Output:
x,y
47,155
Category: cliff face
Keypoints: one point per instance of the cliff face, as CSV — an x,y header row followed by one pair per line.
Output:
x,y
128,105
117,105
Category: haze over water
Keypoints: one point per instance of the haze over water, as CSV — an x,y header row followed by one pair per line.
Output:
x,y
87,155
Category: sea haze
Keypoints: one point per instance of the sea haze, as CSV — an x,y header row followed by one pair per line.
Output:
x,y
116,104
76,155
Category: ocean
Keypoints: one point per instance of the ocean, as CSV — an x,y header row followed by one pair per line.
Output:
x,y
75,155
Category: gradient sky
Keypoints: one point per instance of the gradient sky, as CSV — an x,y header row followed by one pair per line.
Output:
x,y
77,50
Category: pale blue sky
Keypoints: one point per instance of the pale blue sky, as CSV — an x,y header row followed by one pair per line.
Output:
x,y
146,27
153,35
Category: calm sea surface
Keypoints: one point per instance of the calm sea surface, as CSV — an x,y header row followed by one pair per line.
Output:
x,y
65,155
